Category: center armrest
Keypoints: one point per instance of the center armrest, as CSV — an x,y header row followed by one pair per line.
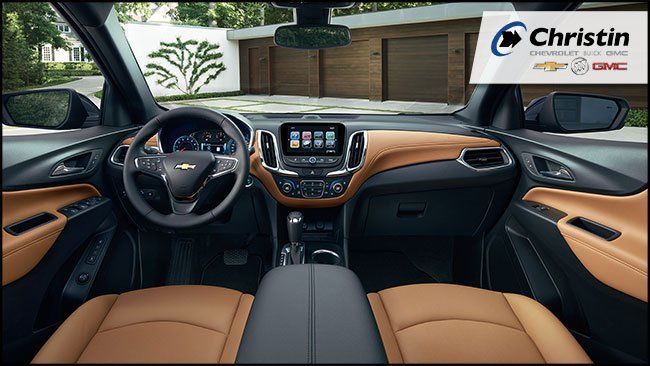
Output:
x,y
311,313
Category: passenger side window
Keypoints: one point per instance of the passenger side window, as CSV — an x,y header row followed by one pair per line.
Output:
x,y
49,80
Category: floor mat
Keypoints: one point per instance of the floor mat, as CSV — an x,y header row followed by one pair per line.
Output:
x,y
381,270
236,269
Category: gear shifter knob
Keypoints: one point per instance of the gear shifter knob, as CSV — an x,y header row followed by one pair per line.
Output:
x,y
294,226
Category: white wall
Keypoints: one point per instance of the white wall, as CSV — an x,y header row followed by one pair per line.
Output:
x,y
145,38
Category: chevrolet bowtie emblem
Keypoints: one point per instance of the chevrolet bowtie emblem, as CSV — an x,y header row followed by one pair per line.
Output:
x,y
550,66
185,166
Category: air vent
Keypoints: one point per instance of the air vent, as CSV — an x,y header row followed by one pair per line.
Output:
x,y
267,145
485,158
356,150
119,154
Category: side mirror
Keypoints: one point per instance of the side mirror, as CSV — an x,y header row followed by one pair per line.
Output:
x,y
54,109
312,37
576,112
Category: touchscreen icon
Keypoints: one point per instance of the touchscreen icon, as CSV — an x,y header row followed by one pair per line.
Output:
x,y
318,143
295,135
318,134
294,144
329,144
306,143
306,135
330,135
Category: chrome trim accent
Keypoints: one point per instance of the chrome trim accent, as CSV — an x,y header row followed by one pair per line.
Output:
x,y
277,169
506,157
112,159
345,170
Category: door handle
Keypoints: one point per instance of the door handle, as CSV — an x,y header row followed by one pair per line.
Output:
x,y
543,167
561,173
61,169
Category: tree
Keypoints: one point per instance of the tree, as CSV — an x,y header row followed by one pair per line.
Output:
x,y
190,60
229,14
26,27
127,12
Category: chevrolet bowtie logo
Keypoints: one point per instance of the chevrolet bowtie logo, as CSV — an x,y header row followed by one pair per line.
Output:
x,y
550,66
185,166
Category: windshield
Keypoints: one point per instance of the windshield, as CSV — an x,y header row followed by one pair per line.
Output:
x,y
411,57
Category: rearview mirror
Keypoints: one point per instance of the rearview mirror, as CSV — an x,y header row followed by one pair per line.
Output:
x,y
312,37
44,108
576,112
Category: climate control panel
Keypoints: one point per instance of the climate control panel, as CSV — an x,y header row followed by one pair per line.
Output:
x,y
312,188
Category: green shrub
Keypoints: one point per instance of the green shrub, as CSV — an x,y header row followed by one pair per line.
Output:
x,y
171,98
637,117
60,69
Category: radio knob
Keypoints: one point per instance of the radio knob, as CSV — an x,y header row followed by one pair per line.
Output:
x,y
287,187
312,160
337,187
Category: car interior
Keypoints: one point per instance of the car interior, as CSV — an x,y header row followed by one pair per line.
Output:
x,y
195,235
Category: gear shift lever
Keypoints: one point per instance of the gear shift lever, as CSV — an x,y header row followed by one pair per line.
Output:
x,y
294,229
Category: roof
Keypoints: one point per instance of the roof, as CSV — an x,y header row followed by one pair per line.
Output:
x,y
422,14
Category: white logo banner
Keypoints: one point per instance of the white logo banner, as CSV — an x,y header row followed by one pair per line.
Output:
x,y
556,47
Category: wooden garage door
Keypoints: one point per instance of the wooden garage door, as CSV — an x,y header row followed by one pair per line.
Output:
x,y
289,71
416,69
344,71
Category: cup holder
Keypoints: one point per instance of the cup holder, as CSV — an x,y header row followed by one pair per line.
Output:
x,y
324,256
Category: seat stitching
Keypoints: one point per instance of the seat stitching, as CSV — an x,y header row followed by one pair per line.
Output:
x,y
161,321
97,331
461,319
232,321
522,325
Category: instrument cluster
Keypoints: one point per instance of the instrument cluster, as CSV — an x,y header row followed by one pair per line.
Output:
x,y
215,141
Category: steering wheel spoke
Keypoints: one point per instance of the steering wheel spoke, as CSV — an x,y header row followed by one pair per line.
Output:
x,y
151,165
182,208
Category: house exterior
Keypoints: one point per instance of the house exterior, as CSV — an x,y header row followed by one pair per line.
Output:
x,y
76,51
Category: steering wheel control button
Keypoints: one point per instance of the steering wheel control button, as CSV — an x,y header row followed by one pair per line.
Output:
x,y
224,165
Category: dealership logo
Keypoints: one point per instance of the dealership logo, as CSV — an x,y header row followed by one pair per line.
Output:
x,y
579,66
550,66
507,38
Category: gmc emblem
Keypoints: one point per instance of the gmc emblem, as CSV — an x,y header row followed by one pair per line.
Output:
x,y
609,66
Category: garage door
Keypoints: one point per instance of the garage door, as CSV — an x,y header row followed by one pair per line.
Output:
x,y
289,71
344,71
416,69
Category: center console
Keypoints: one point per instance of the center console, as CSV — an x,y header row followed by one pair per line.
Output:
x,y
312,160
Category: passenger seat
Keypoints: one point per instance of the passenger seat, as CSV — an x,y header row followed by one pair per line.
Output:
x,y
440,323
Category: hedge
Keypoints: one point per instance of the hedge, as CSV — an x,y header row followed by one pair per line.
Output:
x,y
172,98
637,117
59,69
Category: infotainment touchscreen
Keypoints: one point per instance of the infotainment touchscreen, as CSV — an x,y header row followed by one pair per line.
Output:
x,y
317,139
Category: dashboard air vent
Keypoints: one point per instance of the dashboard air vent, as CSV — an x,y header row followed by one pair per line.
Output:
x,y
267,145
485,158
357,145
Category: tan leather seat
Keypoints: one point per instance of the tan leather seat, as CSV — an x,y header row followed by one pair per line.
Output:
x,y
172,324
436,323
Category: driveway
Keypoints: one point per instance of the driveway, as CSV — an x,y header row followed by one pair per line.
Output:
x,y
87,86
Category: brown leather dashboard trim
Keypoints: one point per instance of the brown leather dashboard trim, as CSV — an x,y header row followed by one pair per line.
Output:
x,y
21,253
386,150
621,263
152,142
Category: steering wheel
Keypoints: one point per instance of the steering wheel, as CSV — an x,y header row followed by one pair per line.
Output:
x,y
185,173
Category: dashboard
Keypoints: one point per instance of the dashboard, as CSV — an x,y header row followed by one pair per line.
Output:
x,y
202,136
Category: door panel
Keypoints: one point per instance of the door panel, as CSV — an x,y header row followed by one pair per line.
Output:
x,y
22,251
254,71
622,262
57,221
289,71
344,71
579,245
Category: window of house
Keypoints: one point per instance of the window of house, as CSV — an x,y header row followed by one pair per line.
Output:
x,y
76,54
63,28
47,53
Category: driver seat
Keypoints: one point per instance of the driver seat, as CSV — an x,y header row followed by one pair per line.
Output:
x,y
170,324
